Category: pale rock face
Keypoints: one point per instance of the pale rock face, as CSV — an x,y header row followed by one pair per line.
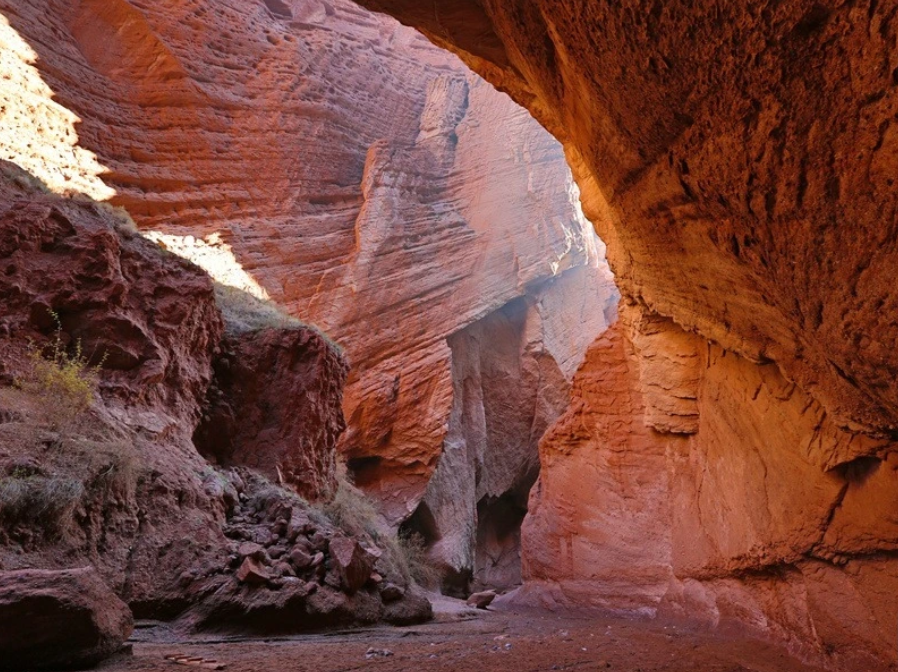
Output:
x,y
733,520
509,383
739,160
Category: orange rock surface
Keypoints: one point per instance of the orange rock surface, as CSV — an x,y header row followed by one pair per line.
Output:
x,y
327,158
739,160
725,512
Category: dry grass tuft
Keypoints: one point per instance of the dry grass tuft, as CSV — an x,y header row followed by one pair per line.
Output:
x,y
44,502
404,556
244,313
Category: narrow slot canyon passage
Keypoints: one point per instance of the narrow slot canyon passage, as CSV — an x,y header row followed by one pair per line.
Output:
x,y
543,335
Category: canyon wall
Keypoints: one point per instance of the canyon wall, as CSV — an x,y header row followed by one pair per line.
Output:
x,y
687,481
108,347
739,161
337,163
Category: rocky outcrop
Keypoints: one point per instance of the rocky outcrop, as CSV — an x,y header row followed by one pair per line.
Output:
x,y
687,480
699,147
120,484
511,375
291,569
321,156
274,406
59,619
74,267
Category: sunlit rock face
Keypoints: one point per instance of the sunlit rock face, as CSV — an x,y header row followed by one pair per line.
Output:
x,y
511,374
739,161
327,158
685,480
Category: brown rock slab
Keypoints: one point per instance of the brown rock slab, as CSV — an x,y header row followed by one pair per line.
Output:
x,y
351,562
482,599
59,619
253,572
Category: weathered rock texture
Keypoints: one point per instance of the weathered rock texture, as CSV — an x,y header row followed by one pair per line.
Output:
x,y
739,161
686,480
511,376
120,485
81,621
274,406
73,266
334,161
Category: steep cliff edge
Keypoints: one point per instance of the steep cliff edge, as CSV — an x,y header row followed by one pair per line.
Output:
x,y
685,480
316,154
735,162
108,345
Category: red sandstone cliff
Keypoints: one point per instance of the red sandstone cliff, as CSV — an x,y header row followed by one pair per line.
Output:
x,y
329,159
738,159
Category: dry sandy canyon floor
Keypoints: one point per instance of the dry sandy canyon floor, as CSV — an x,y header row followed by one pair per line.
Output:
x,y
491,641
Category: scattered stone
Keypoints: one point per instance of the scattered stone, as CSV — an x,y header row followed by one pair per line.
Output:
x,y
377,653
352,563
375,577
482,599
252,572
318,542
195,661
284,569
251,550
59,619
301,559
299,523
390,592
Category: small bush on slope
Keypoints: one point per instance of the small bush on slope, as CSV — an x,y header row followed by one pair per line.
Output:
x,y
65,383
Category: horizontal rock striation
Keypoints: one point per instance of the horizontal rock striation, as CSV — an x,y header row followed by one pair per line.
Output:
x,y
319,155
724,513
738,161
511,375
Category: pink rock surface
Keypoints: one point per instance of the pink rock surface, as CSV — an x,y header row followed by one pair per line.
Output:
x,y
732,521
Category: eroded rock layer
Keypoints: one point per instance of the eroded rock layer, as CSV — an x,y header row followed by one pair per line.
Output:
x,y
317,154
274,406
511,374
108,345
739,161
686,480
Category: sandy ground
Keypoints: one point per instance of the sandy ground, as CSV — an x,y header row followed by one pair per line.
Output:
x,y
460,639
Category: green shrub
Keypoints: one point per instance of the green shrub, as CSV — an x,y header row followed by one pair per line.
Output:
x,y
64,381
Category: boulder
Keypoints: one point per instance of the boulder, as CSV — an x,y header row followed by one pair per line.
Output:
x,y
59,619
253,572
352,563
482,599
390,592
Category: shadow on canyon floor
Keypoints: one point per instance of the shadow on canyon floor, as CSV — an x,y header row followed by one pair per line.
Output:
x,y
492,641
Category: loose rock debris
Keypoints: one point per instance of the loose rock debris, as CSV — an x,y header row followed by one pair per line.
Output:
x,y
195,661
